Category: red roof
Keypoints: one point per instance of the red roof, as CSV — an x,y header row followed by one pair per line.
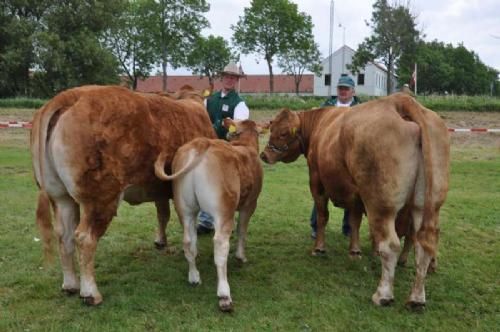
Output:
x,y
248,84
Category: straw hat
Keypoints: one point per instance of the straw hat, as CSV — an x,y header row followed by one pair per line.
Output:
x,y
232,69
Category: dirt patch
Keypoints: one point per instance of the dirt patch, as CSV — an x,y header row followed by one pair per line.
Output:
x,y
473,120
19,137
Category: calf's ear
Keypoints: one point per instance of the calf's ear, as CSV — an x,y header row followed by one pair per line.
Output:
x,y
230,125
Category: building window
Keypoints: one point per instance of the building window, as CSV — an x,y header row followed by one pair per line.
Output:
x,y
361,79
328,79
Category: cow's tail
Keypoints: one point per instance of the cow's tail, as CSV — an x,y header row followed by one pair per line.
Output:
x,y
195,156
44,223
42,124
428,232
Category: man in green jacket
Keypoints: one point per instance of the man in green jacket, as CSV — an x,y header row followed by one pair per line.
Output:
x,y
225,103
345,98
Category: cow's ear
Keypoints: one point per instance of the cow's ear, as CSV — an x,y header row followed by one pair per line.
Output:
x,y
230,125
264,126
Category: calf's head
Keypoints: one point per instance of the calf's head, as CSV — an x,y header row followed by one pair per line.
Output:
x,y
244,132
285,143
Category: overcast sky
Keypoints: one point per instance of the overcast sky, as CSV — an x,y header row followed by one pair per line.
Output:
x,y
475,23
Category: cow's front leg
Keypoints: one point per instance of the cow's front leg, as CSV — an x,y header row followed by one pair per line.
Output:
x,y
163,215
355,216
223,230
322,215
403,257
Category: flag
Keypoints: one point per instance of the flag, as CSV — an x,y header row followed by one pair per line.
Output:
x,y
413,79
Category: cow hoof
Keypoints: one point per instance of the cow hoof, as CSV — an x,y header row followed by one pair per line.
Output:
x,y
71,291
242,259
355,255
386,302
160,245
432,266
225,304
91,300
382,301
415,306
319,252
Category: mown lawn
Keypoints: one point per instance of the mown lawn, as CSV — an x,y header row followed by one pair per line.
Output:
x,y
282,287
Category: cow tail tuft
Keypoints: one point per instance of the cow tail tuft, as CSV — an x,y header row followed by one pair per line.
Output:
x,y
44,223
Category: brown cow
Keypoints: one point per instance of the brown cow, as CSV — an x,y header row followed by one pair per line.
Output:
x,y
220,178
378,157
89,145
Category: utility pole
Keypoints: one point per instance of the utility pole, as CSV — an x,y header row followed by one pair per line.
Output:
x,y
330,53
343,48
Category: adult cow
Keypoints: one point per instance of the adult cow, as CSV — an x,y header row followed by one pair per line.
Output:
x,y
379,158
93,145
220,178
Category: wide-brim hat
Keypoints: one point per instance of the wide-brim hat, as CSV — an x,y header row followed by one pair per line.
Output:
x,y
233,69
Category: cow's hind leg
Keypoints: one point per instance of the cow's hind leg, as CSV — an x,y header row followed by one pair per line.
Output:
x,y
163,215
244,218
188,219
423,259
95,220
223,229
67,217
388,247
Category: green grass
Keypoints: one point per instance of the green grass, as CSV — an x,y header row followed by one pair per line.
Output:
x,y
282,287
461,103
22,102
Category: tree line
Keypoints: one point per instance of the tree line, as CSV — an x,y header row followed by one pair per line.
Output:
x,y
47,46
442,68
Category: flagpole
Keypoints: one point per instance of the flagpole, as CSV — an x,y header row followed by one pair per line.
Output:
x,y
330,63
415,78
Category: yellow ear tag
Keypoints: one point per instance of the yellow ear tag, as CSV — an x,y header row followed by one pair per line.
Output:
x,y
232,129
293,131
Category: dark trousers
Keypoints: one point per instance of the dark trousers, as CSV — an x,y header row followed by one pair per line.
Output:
x,y
346,228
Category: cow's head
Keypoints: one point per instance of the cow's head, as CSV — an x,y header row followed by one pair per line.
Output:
x,y
284,141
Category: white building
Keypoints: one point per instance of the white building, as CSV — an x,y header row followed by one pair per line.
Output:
x,y
371,80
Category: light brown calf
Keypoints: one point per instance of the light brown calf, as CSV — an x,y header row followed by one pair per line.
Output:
x,y
93,145
378,157
220,178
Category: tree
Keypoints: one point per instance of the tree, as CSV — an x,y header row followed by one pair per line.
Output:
x,y
267,28
68,47
445,68
394,34
131,42
209,56
303,54
19,23
176,26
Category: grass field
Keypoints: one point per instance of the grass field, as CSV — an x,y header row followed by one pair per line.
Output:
x,y
281,287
